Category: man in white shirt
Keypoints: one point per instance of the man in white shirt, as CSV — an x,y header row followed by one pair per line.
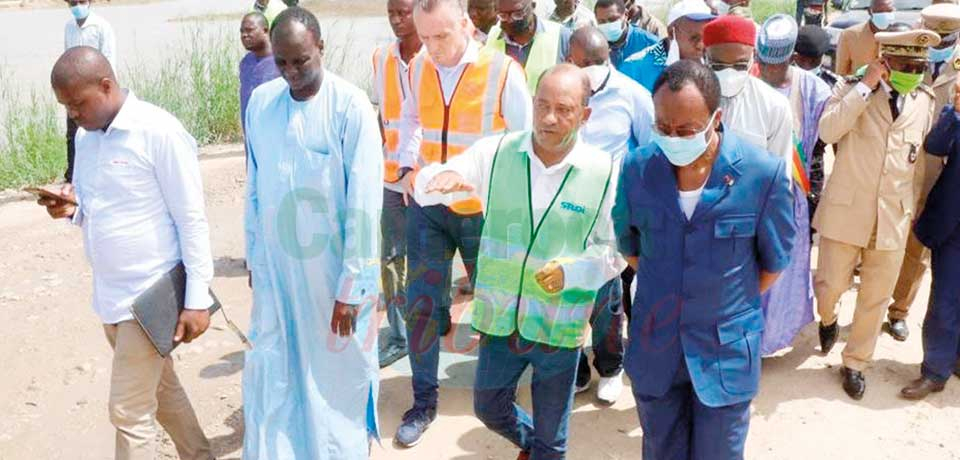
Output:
x,y
141,211
86,29
620,121
751,108
544,255
459,93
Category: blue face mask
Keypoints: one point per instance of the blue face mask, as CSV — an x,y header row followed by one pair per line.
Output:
x,y
681,151
882,20
940,55
612,30
80,12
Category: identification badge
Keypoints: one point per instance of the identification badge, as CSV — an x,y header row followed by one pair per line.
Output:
x,y
913,153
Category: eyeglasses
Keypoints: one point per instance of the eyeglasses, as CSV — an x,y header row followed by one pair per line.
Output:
x,y
516,15
741,66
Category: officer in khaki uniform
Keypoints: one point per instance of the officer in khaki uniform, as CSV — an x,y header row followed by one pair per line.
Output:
x,y
868,203
857,45
941,75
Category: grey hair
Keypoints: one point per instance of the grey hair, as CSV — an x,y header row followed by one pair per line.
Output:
x,y
428,6
565,67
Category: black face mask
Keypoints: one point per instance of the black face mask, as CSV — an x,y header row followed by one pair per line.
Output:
x,y
518,27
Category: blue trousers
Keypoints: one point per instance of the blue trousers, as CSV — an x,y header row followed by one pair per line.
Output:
x,y
501,362
941,326
393,263
434,234
677,426
607,333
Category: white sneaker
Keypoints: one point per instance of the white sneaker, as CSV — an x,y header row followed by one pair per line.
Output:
x,y
609,388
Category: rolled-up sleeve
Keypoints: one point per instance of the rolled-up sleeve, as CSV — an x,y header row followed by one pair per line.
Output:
x,y
776,228
358,283
178,174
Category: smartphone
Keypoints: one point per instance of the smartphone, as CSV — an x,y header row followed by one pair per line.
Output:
x,y
41,192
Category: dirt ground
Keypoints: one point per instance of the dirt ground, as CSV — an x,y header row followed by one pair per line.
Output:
x,y
56,363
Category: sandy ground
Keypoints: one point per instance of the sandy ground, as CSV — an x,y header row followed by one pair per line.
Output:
x,y
56,367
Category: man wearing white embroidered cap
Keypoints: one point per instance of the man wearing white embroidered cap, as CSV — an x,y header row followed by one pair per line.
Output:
x,y
685,23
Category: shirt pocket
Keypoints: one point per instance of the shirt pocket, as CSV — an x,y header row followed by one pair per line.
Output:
x,y
732,240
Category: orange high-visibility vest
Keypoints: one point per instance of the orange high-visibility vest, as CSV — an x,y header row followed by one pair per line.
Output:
x,y
474,111
388,84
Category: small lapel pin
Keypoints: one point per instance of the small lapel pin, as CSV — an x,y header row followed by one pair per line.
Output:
x,y
728,179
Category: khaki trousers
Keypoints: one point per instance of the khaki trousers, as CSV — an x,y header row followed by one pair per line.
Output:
x,y
878,274
144,390
916,261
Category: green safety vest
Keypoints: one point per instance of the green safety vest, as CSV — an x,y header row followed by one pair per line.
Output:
x,y
513,247
543,51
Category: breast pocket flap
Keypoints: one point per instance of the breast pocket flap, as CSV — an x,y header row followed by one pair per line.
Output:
x,y
735,227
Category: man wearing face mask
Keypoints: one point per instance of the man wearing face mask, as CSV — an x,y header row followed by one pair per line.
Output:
x,y
789,305
536,43
460,92
868,203
547,248
751,108
624,38
706,219
684,41
620,120
857,45
944,19
86,28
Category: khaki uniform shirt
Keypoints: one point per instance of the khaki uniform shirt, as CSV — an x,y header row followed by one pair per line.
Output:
x,y
872,185
930,166
856,48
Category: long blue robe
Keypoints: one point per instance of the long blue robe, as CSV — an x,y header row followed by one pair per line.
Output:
x,y
312,229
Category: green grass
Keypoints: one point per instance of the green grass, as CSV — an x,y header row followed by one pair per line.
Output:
x,y
199,86
32,141
763,9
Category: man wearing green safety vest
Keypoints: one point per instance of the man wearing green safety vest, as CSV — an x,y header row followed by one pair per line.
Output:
x,y
545,250
536,43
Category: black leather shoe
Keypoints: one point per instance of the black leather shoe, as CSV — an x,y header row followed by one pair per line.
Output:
x,y
920,388
853,382
897,328
828,336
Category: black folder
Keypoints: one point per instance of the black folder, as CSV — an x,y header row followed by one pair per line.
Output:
x,y
158,309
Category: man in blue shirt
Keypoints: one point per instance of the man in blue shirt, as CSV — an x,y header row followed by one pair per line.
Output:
x,y
685,23
624,38
707,222
620,119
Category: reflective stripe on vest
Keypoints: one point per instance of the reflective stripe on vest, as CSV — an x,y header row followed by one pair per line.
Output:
x,y
386,77
474,111
513,247
543,52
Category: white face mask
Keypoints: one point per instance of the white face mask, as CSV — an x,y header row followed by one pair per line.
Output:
x,y
598,75
673,54
722,7
732,81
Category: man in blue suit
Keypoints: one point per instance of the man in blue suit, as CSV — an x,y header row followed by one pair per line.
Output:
x,y
938,228
707,222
